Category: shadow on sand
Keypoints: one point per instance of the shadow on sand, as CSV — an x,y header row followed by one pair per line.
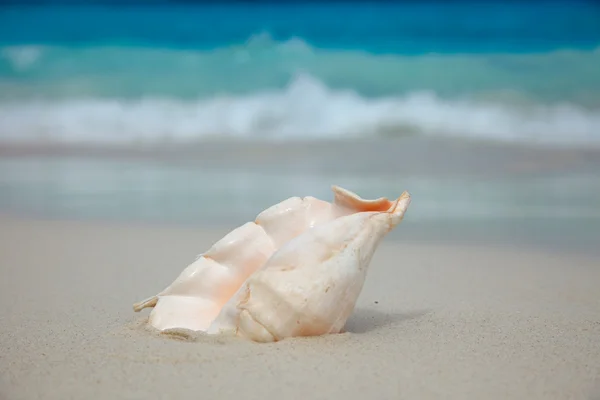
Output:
x,y
365,320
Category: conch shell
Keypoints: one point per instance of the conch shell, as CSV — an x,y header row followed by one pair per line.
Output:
x,y
297,270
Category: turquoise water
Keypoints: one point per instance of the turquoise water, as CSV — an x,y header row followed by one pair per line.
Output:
x,y
513,71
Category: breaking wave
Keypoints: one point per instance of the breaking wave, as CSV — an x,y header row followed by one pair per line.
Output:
x,y
289,90
305,109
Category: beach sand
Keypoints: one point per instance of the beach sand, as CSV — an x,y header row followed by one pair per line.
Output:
x,y
433,321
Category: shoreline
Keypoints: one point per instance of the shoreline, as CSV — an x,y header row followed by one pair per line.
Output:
x,y
465,192
417,155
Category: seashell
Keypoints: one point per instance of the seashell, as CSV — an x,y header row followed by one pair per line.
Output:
x,y
297,270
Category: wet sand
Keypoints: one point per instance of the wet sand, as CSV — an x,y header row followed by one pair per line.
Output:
x,y
388,157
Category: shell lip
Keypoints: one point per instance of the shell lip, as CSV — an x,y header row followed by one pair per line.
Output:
x,y
349,199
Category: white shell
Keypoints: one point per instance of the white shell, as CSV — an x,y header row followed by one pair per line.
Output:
x,y
296,271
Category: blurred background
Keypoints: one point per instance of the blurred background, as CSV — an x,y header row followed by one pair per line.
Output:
x,y
205,113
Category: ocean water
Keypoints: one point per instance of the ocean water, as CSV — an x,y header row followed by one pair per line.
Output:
x,y
204,114
520,72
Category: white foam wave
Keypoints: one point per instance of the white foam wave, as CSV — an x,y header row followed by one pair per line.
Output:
x,y
306,109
